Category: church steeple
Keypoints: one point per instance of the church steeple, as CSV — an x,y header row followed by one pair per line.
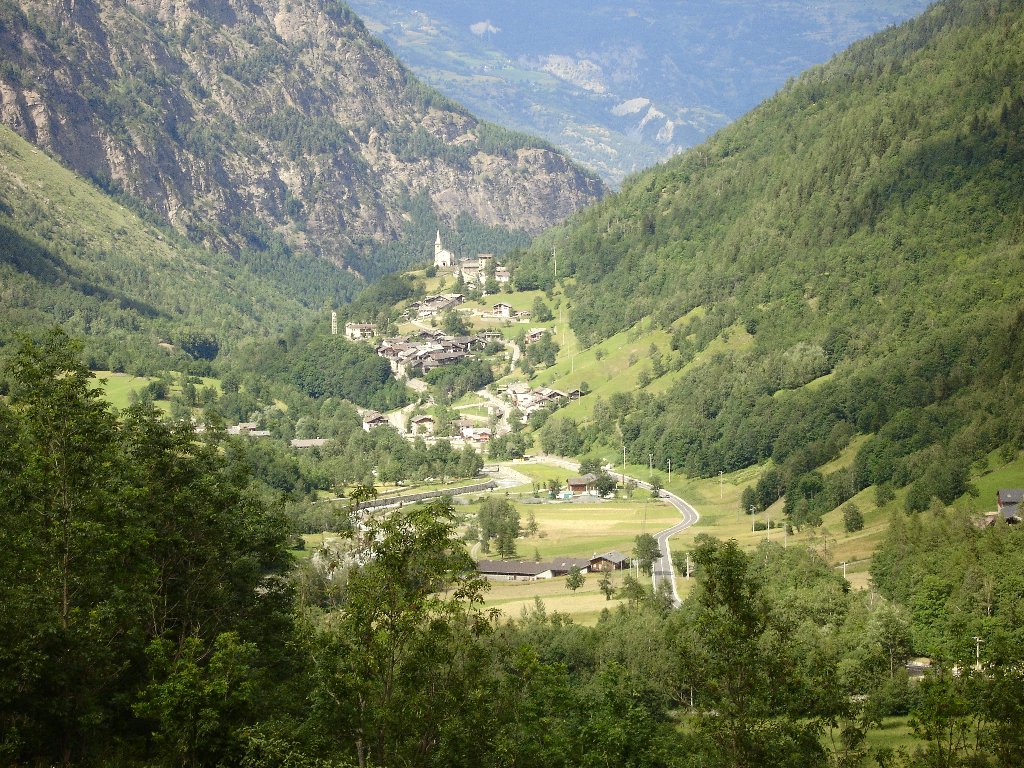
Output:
x,y
443,258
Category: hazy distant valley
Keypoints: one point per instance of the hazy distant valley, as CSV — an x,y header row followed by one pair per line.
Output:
x,y
620,86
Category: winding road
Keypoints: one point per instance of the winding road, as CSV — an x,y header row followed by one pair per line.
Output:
x,y
662,567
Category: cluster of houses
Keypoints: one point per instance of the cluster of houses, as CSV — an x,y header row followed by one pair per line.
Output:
x,y
410,356
473,271
425,426
529,400
507,570
434,304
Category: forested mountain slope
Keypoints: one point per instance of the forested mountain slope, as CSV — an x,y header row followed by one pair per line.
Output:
x,y
861,231
71,255
268,126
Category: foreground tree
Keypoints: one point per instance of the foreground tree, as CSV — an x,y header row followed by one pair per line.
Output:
x,y
751,709
386,669
575,579
120,536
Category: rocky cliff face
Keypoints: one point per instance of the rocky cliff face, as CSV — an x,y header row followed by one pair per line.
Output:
x,y
255,122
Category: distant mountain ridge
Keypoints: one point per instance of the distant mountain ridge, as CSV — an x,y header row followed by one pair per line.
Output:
x,y
267,126
620,85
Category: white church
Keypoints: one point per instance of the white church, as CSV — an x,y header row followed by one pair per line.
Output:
x,y
443,258
473,271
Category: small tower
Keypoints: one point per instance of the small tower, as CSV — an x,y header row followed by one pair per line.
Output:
x,y
334,323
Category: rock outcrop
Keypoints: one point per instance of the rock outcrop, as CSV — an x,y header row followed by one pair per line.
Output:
x,y
261,122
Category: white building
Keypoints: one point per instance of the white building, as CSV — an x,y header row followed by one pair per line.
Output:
x,y
443,258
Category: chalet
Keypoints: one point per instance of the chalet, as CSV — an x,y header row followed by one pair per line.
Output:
x,y
550,395
1008,503
242,428
560,566
488,336
501,309
609,561
524,315
535,335
311,442
499,570
502,276
475,434
438,358
574,394
516,391
372,420
358,331
432,305
584,484
423,424
463,343
471,272
430,334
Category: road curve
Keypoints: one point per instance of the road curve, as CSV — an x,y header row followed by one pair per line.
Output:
x,y
662,567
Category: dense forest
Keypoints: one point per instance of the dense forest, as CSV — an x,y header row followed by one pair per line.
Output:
x,y
151,616
853,248
106,272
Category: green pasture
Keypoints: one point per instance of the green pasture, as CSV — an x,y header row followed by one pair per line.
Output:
x,y
584,605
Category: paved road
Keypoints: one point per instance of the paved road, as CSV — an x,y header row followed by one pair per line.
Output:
x,y
662,568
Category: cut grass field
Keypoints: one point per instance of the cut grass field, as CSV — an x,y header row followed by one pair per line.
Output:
x,y
118,388
582,529
578,529
584,605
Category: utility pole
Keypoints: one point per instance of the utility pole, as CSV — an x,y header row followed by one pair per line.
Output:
x,y
650,463
721,492
623,465
977,653
752,509
670,471
768,525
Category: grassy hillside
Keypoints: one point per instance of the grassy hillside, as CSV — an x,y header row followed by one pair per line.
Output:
x,y
847,259
69,254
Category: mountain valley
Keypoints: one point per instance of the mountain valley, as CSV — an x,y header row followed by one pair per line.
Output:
x,y
342,428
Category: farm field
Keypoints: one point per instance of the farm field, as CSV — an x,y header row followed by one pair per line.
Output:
x,y
579,529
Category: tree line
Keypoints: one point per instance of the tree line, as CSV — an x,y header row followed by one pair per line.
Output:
x,y
151,616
